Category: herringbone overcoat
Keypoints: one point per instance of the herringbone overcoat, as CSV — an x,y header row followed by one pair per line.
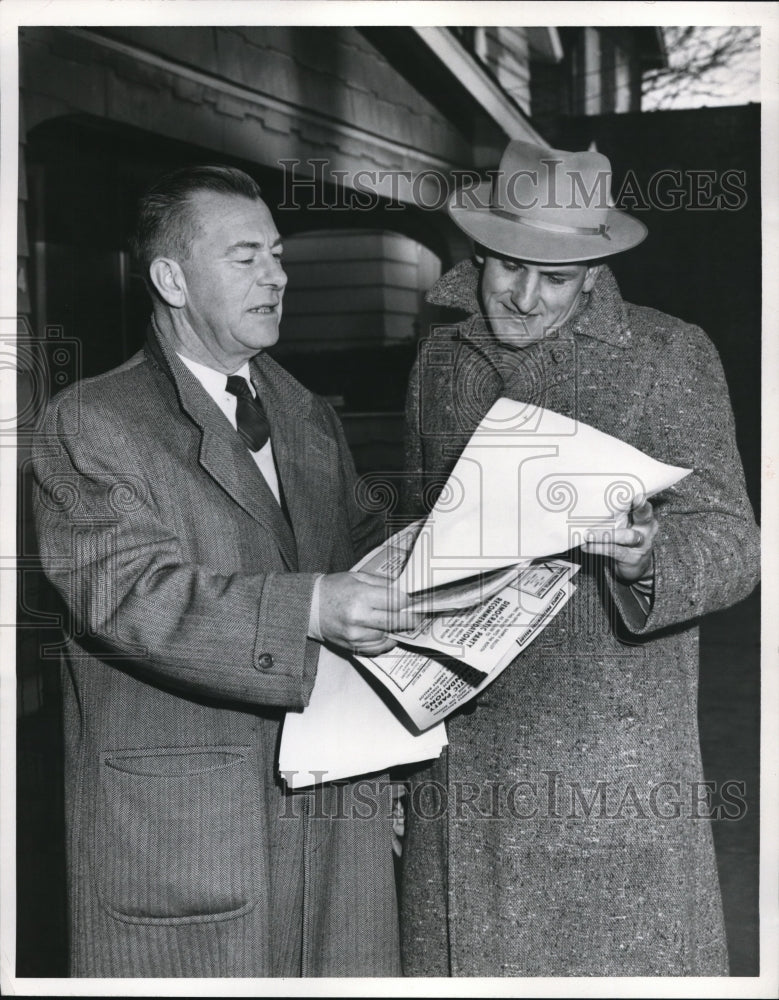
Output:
x,y
188,596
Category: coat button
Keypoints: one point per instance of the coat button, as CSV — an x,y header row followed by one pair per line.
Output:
x,y
558,355
264,661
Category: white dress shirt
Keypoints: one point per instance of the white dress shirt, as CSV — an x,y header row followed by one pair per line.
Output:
x,y
215,384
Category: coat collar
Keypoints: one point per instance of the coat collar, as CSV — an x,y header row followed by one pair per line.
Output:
x,y
299,446
287,394
602,315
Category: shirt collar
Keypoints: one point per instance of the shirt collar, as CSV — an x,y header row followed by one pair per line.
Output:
x,y
212,380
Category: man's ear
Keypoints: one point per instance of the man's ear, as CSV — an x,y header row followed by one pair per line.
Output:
x,y
168,279
591,277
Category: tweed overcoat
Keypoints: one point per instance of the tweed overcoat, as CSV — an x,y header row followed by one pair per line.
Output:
x,y
188,595
566,831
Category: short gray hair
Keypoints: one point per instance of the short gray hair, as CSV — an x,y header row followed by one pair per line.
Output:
x,y
165,224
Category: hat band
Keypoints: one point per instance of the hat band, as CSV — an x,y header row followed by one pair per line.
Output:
x,y
552,227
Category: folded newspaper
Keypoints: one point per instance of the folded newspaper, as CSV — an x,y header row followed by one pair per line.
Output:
x,y
453,654
484,568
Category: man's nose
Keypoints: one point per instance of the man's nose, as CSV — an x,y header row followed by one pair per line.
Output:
x,y
524,291
272,274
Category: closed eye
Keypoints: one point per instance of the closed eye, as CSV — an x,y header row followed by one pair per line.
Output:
x,y
559,277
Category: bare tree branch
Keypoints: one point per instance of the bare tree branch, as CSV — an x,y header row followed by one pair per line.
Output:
x,y
716,63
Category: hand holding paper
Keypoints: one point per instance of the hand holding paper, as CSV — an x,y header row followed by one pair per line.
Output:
x,y
357,610
631,544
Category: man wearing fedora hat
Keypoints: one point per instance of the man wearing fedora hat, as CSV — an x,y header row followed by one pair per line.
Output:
x,y
565,832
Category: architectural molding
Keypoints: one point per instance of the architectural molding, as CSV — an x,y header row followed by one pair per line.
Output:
x,y
503,111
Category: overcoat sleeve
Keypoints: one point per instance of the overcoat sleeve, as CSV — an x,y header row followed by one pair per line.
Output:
x,y
707,551
134,598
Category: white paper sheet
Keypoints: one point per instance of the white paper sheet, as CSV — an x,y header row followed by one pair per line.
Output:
x,y
347,730
530,484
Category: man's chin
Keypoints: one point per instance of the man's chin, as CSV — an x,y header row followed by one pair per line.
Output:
x,y
268,337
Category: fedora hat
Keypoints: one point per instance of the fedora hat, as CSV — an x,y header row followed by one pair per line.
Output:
x,y
546,206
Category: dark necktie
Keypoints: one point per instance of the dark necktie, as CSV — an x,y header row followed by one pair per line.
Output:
x,y
249,414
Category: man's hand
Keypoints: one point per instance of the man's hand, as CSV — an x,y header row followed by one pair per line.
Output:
x,y
630,546
356,610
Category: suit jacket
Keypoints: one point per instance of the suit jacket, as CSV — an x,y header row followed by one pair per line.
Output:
x,y
188,596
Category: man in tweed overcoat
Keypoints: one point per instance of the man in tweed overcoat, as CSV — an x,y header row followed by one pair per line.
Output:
x,y
566,830
191,568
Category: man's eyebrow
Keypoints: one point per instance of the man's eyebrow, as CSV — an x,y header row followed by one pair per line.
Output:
x,y
251,245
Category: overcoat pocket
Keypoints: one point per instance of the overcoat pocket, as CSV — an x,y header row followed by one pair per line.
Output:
x,y
176,834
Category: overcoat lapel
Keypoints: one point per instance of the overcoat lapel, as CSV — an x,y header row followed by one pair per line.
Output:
x,y
306,458
223,455
234,469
